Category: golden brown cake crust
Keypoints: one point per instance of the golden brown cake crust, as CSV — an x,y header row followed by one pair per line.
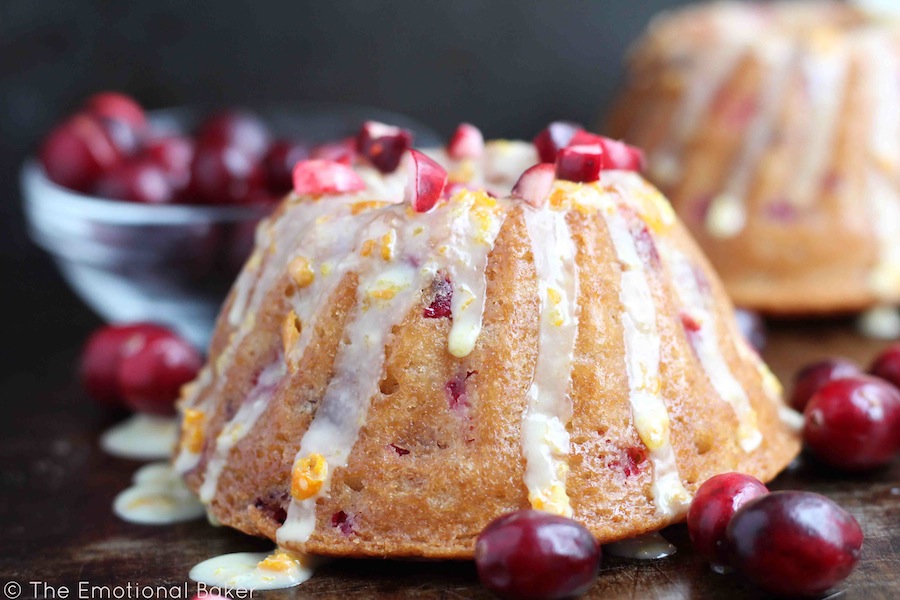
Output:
x,y
428,471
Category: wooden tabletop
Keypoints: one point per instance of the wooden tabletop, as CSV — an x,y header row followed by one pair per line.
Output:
x,y
57,487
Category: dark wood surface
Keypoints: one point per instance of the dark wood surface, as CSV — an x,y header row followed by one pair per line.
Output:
x,y
56,524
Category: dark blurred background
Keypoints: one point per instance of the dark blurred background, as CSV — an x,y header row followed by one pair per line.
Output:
x,y
507,66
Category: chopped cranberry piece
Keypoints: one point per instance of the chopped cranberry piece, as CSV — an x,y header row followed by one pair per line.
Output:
x,y
225,175
137,181
275,511
173,154
399,450
752,326
455,391
689,323
425,183
554,138
279,164
630,460
343,522
466,142
102,355
531,554
323,177
443,298
887,365
852,423
712,509
616,154
237,129
535,184
77,152
643,241
383,145
809,379
117,107
581,164
342,151
794,543
151,374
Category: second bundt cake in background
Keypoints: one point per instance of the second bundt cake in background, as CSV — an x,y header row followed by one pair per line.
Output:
x,y
394,369
775,131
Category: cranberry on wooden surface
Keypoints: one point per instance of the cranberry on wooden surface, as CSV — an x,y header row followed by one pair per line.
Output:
x,y
712,509
853,423
383,145
117,107
425,183
794,543
466,142
887,365
151,374
279,163
136,181
224,175
102,354
321,177
554,138
809,379
531,554
77,152
236,129
534,184
581,164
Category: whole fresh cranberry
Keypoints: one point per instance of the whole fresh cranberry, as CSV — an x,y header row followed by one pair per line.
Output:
x,y
117,107
809,379
533,554
554,138
136,181
235,129
76,153
887,365
852,423
102,354
712,509
173,154
752,326
279,164
151,374
225,175
794,543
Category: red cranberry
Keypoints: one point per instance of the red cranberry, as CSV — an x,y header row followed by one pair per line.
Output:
x,y
466,142
530,554
794,543
225,175
342,151
279,164
102,355
579,163
616,154
534,184
752,326
321,177
383,145
136,181
77,152
887,365
852,423
809,379
117,107
151,374
426,181
554,138
712,509
173,154
235,128
442,301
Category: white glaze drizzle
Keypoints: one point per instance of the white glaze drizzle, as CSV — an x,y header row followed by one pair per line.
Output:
x,y
255,570
707,345
545,438
141,437
650,546
158,496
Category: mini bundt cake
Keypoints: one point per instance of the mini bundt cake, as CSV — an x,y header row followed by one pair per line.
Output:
x,y
389,375
774,130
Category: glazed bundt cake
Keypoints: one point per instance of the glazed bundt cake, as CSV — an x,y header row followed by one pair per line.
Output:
x,y
387,376
774,130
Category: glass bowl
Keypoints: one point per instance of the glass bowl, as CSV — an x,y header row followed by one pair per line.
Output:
x,y
169,264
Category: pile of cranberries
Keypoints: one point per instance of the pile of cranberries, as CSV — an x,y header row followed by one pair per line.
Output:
x,y
140,367
109,148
